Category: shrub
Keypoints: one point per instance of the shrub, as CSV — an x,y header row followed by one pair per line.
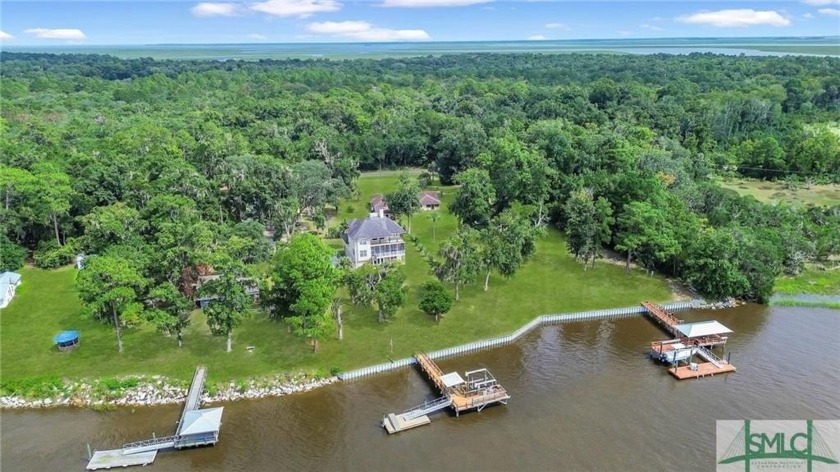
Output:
x,y
50,255
335,371
12,256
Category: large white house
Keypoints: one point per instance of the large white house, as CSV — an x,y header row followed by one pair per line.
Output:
x,y
376,239
8,284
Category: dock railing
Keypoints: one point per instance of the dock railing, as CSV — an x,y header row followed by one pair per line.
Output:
x,y
509,338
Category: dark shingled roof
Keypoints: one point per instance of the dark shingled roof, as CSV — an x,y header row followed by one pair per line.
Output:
x,y
373,227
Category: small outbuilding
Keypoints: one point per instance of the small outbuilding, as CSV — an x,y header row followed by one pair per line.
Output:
x,y
9,282
67,340
429,200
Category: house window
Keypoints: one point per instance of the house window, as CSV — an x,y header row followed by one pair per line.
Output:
x,y
363,253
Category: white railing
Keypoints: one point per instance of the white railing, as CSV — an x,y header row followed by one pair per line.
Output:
x,y
710,356
509,338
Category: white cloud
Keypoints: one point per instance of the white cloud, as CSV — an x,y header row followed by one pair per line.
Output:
x,y
71,34
808,15
651,27
736,18
4,36
297,8
364,31
339,27
208,9
829,11
537,37
257,36
625,32
822,2
555,25
430,3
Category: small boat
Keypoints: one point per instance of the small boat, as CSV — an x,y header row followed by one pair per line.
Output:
x,y
679,352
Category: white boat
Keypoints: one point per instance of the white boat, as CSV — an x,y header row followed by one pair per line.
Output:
x,y
679,353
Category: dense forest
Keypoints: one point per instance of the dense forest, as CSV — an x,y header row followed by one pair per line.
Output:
x,y
162,166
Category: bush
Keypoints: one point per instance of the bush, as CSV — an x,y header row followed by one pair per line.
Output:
x,y
12,256
43,387
50,255
335,371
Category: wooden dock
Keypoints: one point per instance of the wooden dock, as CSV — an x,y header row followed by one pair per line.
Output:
x,y
692,339
703,369
666,320
144,452
474,393
193,395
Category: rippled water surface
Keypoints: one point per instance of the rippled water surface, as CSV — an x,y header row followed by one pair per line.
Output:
x,y
584,397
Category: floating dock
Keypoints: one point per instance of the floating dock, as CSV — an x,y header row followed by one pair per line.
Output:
x,y
116,458
479,390
692,339
195,428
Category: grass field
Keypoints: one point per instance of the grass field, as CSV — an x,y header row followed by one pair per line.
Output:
x,y
551,282
813,281
775,192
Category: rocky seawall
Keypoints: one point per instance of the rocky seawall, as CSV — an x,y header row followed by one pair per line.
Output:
x,y
156,390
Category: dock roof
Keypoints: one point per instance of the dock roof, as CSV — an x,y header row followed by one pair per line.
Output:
x,y
208,420
452,379
703,328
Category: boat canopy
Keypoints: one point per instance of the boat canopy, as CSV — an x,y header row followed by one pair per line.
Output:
x,y
452,379
703,328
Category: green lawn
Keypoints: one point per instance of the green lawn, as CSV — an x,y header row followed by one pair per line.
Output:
x,y
812,280
775,192
551,282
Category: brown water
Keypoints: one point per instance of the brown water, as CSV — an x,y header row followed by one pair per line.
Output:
x,y
584,397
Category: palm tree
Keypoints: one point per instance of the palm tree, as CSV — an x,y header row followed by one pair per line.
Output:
x,y
434,216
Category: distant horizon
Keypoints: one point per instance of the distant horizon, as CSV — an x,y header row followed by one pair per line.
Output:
x,y
420,43
189,22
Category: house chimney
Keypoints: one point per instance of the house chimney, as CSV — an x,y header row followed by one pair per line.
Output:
x,y
381,213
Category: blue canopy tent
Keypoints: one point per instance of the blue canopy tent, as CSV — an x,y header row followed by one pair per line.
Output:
x,y
67,340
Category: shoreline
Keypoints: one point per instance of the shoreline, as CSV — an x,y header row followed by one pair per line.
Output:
x,y
109,393
158,390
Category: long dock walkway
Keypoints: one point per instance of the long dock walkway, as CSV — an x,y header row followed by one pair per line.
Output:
x,y
144,452
194,395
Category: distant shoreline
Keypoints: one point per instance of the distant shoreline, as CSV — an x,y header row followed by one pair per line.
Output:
x,y
811,46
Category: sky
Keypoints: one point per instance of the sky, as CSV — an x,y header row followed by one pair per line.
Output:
x,y
118,22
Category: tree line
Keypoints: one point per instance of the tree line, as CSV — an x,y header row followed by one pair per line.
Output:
x,y
165,168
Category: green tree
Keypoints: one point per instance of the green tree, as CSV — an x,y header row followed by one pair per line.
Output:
x,y
712,265
434,216
303,282
110,289
389,294
405,201
435,300
588,224
169,310
461,259
506,243
646,232
53,195
228,303
475,200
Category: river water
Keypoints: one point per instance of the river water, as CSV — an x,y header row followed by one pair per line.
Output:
x,y
584,397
